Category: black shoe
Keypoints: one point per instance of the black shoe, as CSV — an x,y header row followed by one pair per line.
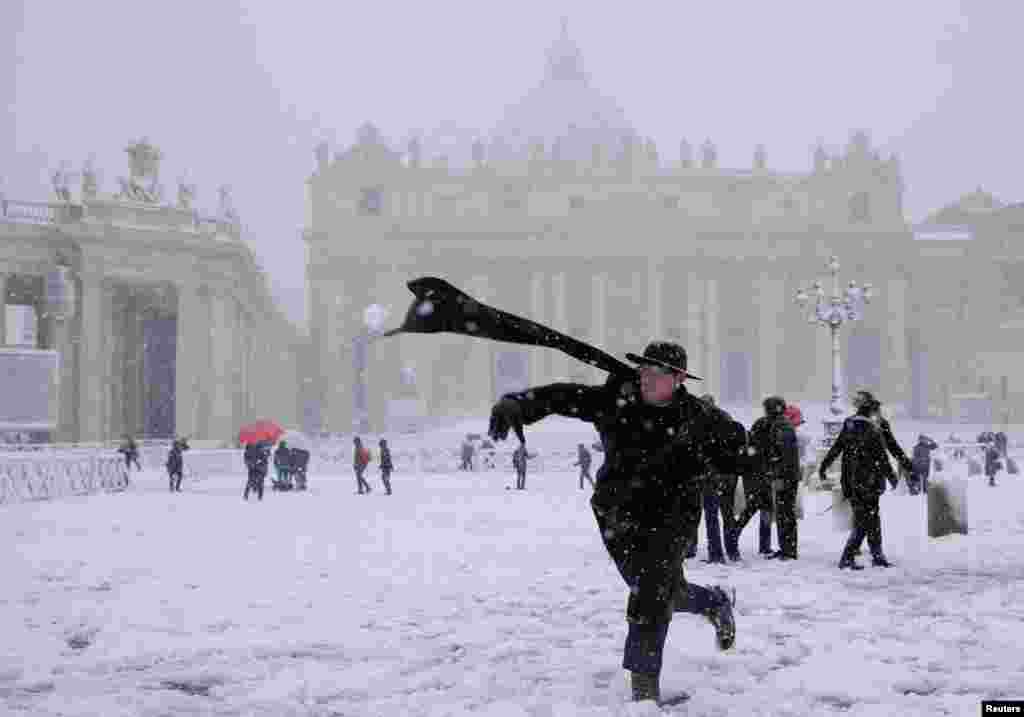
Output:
x,y
735,557
772,554
722,618
786,556
719,560
850,563
879,561
645,686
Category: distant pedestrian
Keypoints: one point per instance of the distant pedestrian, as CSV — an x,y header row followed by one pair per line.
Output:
x,y
130,449
360,460
519,457
386,466
257,458
283,467
176,465
468,451
922,463
583,461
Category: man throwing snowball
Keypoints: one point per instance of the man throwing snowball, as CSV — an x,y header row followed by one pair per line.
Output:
x,y
659,440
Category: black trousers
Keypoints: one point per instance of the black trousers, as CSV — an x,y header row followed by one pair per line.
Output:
x,y
785,518
585,473
175,481
255,484
520,479
867,522
649,559
385,477
759,498
361,485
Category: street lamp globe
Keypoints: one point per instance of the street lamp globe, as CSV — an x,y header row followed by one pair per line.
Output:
x,y
374,317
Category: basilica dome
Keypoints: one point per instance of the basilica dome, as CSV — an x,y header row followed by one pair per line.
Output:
x,y
565,112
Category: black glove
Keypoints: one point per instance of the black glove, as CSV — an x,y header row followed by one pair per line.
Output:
x,y
506,414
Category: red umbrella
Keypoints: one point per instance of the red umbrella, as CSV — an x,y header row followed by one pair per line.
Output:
x,y
260,431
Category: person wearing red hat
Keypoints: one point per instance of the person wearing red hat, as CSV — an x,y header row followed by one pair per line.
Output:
x,y
658,440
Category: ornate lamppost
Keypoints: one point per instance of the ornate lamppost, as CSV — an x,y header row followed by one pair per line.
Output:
x,y
832,311
373,321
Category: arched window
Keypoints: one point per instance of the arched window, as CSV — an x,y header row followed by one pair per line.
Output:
x,y
860,208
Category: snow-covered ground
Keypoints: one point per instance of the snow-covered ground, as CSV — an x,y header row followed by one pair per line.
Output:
x,y
456,596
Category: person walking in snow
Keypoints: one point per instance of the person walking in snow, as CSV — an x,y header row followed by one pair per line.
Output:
x,y
719,493
176,464
922,462
386,466
583,461
130,449
773,441
257,458
992,463
863,442
467,455
658,440
519,458
360,460
283,467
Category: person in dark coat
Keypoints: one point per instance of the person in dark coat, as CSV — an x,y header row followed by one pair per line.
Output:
x,y
283,467
922,462
1003,444
519,458
992,463
774,485
386,466
658,440
300,464
130,449
257,458
467,455
863,442
719,492
176,465
360,459
583,461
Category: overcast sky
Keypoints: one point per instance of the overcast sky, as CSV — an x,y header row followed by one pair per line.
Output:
x,y
238,92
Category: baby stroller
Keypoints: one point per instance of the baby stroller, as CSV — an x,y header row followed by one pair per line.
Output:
x,y
300,461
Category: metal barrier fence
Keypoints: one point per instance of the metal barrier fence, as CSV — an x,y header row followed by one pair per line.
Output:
x,y
28,477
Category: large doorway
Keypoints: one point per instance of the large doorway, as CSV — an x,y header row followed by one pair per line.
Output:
x,y
737,377
864,360
159,340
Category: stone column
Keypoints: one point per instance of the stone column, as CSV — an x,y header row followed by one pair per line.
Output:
x,y
191,359
599,318
560,362
712,349
111,427
895,361
222,342
694,327
771,302
655,303
92,347
3,309
61,334
538,356
479,374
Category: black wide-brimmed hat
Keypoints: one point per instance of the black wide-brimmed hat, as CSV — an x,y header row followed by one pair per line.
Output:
x,y
665,354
